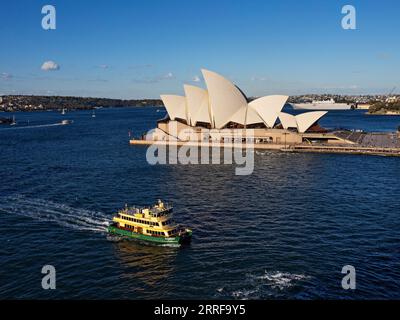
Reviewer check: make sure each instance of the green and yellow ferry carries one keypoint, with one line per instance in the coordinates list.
(152, 224)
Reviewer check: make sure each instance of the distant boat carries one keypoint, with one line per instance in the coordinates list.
(6, 120)
(322, 105)
(13, 123)
(93, 114)
(63, 111)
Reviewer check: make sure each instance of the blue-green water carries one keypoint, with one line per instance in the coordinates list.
(285, 231)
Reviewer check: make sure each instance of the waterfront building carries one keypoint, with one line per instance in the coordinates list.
(206, 114)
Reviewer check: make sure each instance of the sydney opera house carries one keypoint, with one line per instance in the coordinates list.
(206, 114)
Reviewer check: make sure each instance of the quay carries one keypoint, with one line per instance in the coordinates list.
(383, 144)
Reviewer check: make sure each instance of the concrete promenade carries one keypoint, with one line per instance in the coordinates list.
(387, 149)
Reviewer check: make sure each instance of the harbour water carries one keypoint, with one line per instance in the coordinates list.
(284, 232)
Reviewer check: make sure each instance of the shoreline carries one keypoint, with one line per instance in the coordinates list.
(387, 113)
(76, 109)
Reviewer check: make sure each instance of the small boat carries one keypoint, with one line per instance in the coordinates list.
(151, 224)
(6, 120)
(93, 114)
(65, 122)
(13, 123)
(63, 111)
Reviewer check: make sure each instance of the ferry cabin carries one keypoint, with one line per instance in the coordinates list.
(147, 222)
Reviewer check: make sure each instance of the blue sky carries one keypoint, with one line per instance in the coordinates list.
(141, 49)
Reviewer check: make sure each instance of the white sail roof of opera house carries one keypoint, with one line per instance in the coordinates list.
(268, 108)
(175, 105)
(307, 119)
(301, 121)
(197, 105)
(224, 102)
(246, 115)
(224, 97)
(287, 120)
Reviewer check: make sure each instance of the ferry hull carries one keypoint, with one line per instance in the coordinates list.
(321, 106)
(186, 238)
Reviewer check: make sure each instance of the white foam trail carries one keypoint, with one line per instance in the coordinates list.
(37, 126)
(281, 280)
(61, 214)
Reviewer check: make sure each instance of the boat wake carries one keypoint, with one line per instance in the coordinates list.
(271, 284)
(35, 126)
(280, 280)
(61, 214)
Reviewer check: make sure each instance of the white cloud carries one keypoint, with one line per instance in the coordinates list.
(50, 66)
(196, 78)
(5, 76)
(104, 66)
(254, 78)
(169, 75)
(384, 56)
(155, 79)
